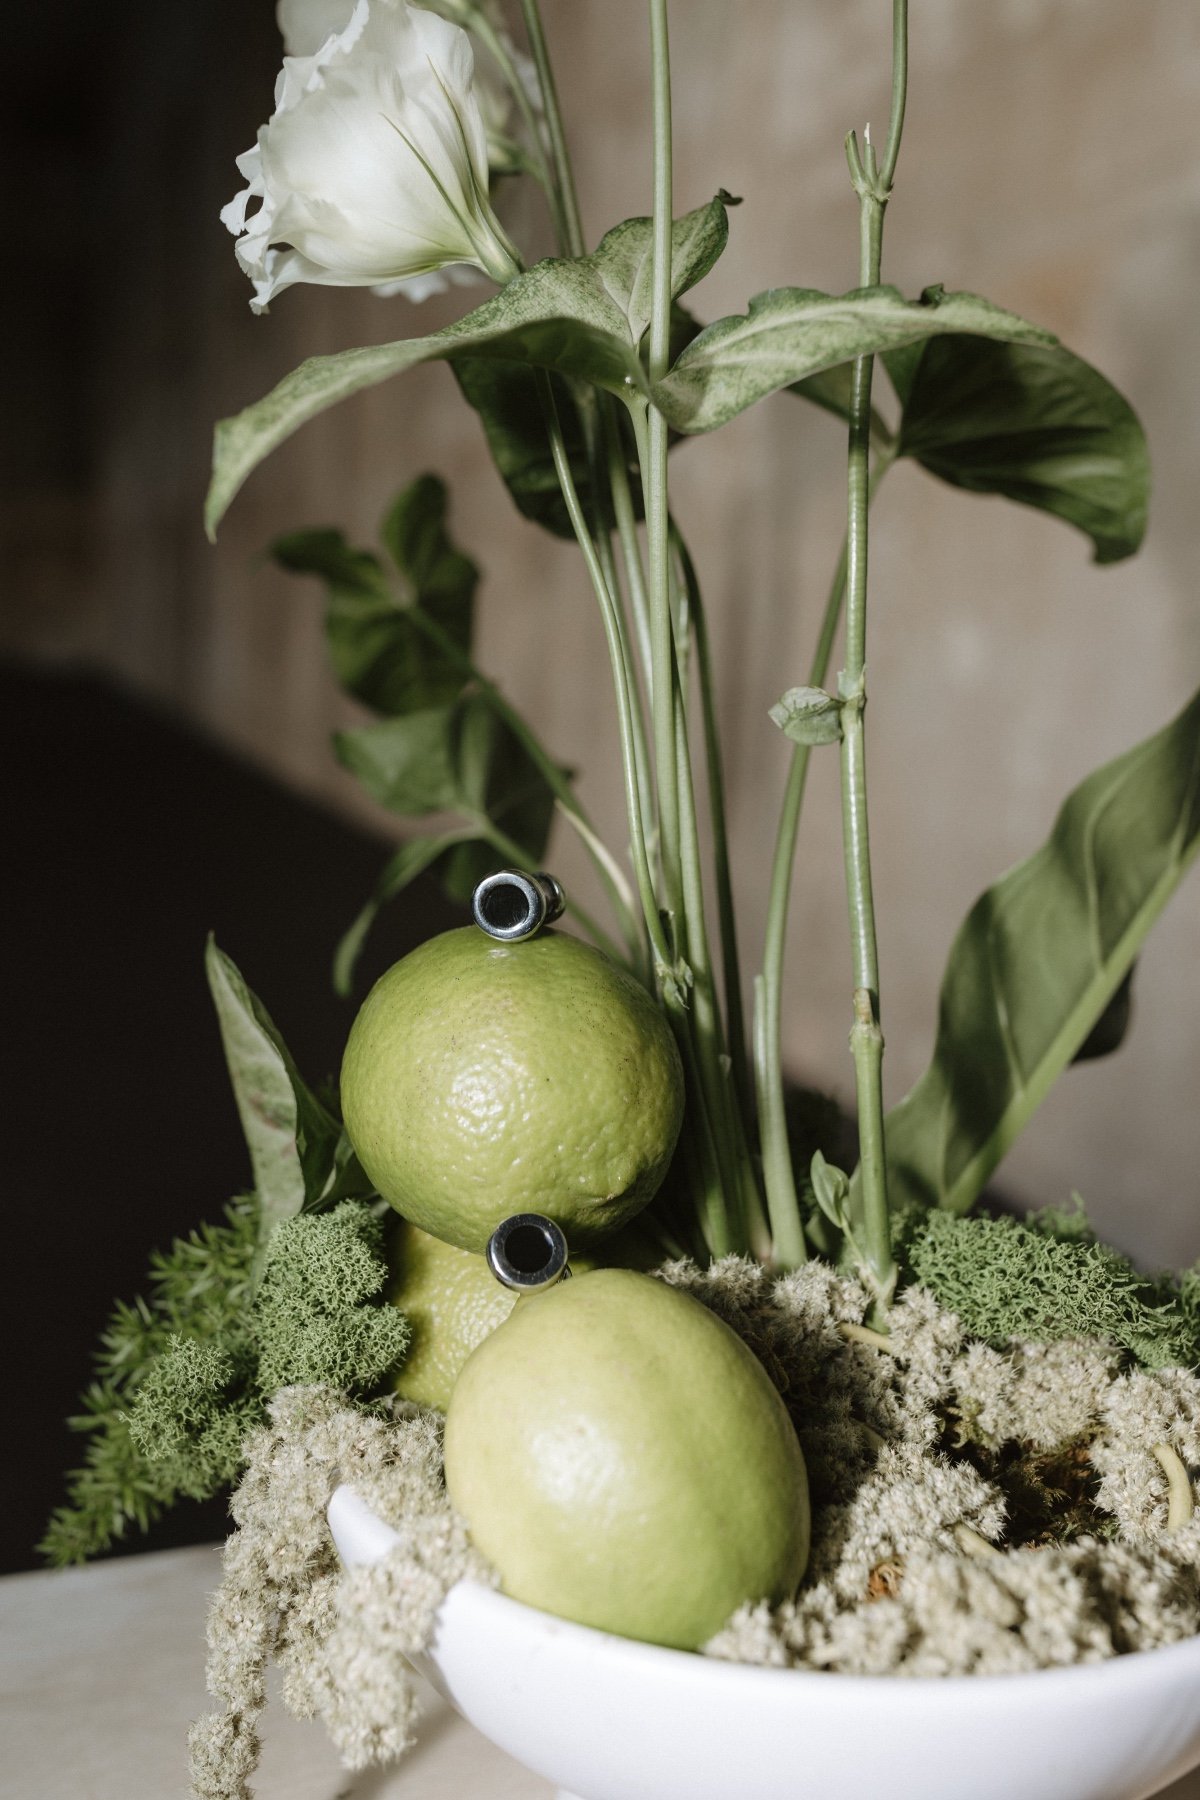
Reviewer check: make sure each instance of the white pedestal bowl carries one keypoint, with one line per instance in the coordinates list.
(609, 1719)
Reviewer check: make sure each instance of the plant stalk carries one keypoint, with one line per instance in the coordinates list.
(570, 224)
(873, 186)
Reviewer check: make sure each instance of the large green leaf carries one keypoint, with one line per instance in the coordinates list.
(582, 318)
(395, 652)
(1032, 422)
(792, 334)
(1039, 959)
(294, 1143)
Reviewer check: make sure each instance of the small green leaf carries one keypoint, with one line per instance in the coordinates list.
(831, 1189)
(395, 653)
(292, 1139)
(1031, 422)
(581, 318)
(791, 334)
(408, 764)
(627, 255)
(1039, 959)
(809, 715)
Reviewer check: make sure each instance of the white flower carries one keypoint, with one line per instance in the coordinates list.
(374, 167)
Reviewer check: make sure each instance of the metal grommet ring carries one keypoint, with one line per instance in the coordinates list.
(511, 905)
(528, 1253)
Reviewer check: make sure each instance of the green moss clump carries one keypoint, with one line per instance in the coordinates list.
(1047, 1278)
(184, 1375)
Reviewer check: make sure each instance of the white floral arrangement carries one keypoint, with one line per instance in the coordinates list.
(999, 1419)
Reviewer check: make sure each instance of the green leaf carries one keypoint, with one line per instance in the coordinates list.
(506, 397)
(1032, 422)
(395, 653)
(1112, 1027)
(408, 764)
(499, 782)
(1040, 957)
(581, 318)
(411, 859)
(292, 1139)
(791, 334)
(809, 715)
(626, 255)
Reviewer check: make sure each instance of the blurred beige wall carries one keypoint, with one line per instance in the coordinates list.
(1049, 163)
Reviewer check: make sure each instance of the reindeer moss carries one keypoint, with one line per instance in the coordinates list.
(977, 1510)
(1048, 1277)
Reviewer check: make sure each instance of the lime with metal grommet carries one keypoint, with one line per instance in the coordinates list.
(621, 1457)
(489, 1076)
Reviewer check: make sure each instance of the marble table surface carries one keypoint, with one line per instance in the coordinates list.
(102, 1668)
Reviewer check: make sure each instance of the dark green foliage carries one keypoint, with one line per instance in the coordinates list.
(444, 741)
(1049, 1278)
(184, 1373)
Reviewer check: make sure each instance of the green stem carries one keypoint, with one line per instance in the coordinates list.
(651, 428)
(571, 224)
(540, 162)
(866, 1037)
(619, 660)
(778, 1175)
(735, 1029)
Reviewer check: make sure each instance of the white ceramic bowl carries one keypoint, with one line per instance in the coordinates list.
(609, 1719)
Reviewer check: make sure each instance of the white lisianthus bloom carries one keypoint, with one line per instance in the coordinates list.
(373, 168)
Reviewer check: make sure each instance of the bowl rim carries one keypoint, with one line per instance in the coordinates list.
(1118, 1669)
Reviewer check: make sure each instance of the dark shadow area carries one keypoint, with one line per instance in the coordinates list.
(128, 839)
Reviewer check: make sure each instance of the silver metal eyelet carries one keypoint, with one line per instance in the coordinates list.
(512, 905)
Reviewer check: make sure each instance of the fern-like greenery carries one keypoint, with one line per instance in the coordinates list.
(183, 1374)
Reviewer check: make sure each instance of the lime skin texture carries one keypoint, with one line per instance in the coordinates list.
(623, 1460)
(483, 1079)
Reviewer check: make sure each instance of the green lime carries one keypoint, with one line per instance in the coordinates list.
(623, 1460)
(484, 1079)
(452, 1301)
